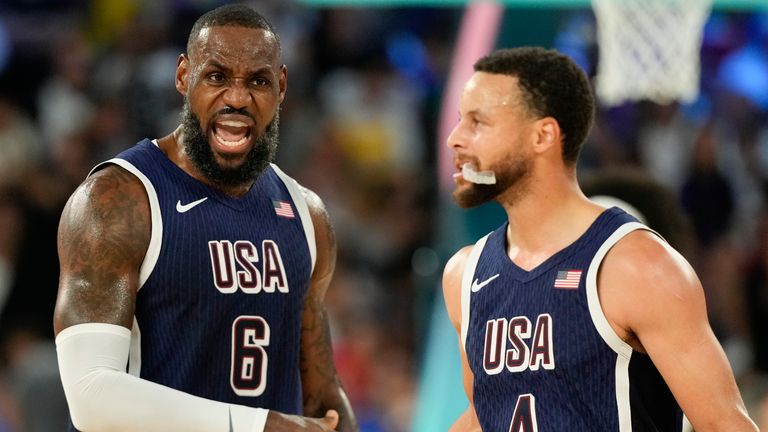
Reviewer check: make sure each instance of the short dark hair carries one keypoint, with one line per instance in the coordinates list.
(552, 86)
(238, 15)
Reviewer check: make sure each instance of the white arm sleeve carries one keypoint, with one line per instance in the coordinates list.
(103, 397)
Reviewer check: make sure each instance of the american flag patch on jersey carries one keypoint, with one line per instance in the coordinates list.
(568, 279)
(283, 208)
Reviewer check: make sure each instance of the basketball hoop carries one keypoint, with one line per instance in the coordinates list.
(649, 49)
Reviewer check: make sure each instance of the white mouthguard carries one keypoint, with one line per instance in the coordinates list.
(478, 177)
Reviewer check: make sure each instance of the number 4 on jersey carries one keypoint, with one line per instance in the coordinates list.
(524, 418)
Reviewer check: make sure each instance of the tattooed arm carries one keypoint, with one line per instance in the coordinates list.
(103, 236)
(322, 389)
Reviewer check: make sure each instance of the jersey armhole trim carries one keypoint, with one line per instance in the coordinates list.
(593, 300)
(301, 205)
(623, 350)
(156, 230)
(466, 285)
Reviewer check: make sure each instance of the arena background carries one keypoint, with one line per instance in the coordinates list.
(368, 100)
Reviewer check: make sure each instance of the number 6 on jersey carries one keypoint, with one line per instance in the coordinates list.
(248, 376)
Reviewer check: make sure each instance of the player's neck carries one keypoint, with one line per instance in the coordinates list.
(547, 219)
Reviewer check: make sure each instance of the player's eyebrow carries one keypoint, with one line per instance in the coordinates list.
(217, 65)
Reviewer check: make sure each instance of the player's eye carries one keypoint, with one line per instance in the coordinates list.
(216, 77)
(260, 82)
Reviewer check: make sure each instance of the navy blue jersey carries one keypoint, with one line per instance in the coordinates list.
(543, 354)
(222, 285)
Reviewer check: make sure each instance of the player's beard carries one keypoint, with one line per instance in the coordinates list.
(512, 176)
(199, 151)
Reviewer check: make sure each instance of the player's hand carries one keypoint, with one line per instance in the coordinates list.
(277, 422)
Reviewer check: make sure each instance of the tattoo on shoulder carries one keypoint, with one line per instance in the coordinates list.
(103, 237)
(108, 213)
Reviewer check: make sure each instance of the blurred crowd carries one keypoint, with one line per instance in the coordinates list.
(81, 80)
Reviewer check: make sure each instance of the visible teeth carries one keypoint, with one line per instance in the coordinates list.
(233, 123)
(479, 177)
(239, 142)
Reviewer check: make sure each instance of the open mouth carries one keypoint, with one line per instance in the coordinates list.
(232, 134)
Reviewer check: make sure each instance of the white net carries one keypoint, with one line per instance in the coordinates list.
(649, 49)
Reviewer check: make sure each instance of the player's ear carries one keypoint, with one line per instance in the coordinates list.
(182, 72)
(547, 134)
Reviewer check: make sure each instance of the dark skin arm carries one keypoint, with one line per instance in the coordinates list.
(322, 389)
(103, 236)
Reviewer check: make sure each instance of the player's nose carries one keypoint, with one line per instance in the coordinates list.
(237, 95)
(456, 137)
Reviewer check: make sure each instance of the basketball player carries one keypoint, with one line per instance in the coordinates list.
(193, 271)
(570, 316)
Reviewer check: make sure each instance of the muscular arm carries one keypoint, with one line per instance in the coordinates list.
(654, 300)
(467, 421)
(103, 235)
(322, 389)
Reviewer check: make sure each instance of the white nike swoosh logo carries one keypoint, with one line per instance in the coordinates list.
(476, 285)
(183, 208)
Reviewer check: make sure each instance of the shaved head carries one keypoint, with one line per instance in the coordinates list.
(237, 15)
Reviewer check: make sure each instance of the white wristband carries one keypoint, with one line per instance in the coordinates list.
(244, 415)
(260, 420)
